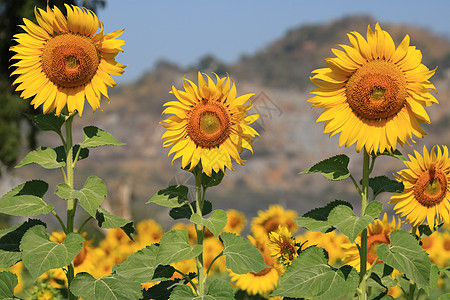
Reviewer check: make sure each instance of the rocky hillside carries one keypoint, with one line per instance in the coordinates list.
(290, 139)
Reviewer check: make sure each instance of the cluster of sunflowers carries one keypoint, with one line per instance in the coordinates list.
(372, 94)
(273, 232)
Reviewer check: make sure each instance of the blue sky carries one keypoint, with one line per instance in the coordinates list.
(184, 31)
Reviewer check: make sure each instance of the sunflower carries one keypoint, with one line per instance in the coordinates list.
(208, 124)
(373, 93)
(236, 221)
(269, 220)
(63, 60)
(263, 282)
(282, 245)
(378, 232)
(427, 182)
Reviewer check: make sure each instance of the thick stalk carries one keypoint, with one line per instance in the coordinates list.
(70, 203)
(364, 203)
(199, 229)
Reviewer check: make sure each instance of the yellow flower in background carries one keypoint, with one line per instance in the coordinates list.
(373, 93)
(378, 232)
(236, 221)
(62, 60)
(208, 124)
(427, 182)
(269, 220)
(282, 245)
(263, 282)
(148, 232)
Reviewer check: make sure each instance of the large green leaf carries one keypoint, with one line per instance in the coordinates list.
(107, 220)
(185, 212)
(310, 276)
(61, 153)
(47, 122)
(405, 255)
(343, 218)
(10, 241)
(434, 277)
(174, 246)
(140, 265)
(215, 179)
(219, 289)
(111, 287)
(215, 223)
(317, 219)
(43, 156)
(8, 282)
(96, 137)
(26, 200)
(334, 168)
(382, 184)
(39, 254)
(90, 196)
(172, 196)
(241, 255)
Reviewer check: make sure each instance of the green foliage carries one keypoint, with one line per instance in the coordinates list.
(343, 218)
(185, 211)
(382, 184)
(39, 254)
(10, 242)
(174, 246)
(317, 219)
(218, 290)
(215, 179)
(8, 281)
(61, 153)
(26, 200)
(43, 156)
(107, 220)
(334, 168)
(90, 196)
(241, 255)
(215, 223)
(405, 255)
(172, 196)
(113, 287)
(310, 276)
(96, 137)
(48, 122)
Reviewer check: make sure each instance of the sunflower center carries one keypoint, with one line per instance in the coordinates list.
(70, 60)
(377, 90)
(372, 243)
(431, 187)
(209, 124)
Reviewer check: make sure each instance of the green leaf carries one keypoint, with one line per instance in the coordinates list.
(215, 179)
(405, 255)
(343, 218)
(10, 240)
(333, 168)
(43, 156)
(185, 212)
(95, 137)
(48, 122)
(396, 154)
(219, 289)
(90, 196)
(8, 282)
(140, 265)
(107, 220)
(174, 246)
(310, 276)
(40, 254)
(444, 297)
(172, 196)
(184, 292)
(111, 287)
(215, 223)
(242, 256)
(434, 277)
(317, 219)
(163, 290)
(381, 274)
(382, 184)
(26, 200)
(61, 153)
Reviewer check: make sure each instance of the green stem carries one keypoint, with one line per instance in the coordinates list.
(199, 229)
(412, 284)
(186, 277)
(364, 203)
(80, 230)
(71, 204)
(213, 261)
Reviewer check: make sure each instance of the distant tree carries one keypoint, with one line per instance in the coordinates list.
(12, 108)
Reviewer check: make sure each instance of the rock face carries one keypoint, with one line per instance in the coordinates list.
(290, 140)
